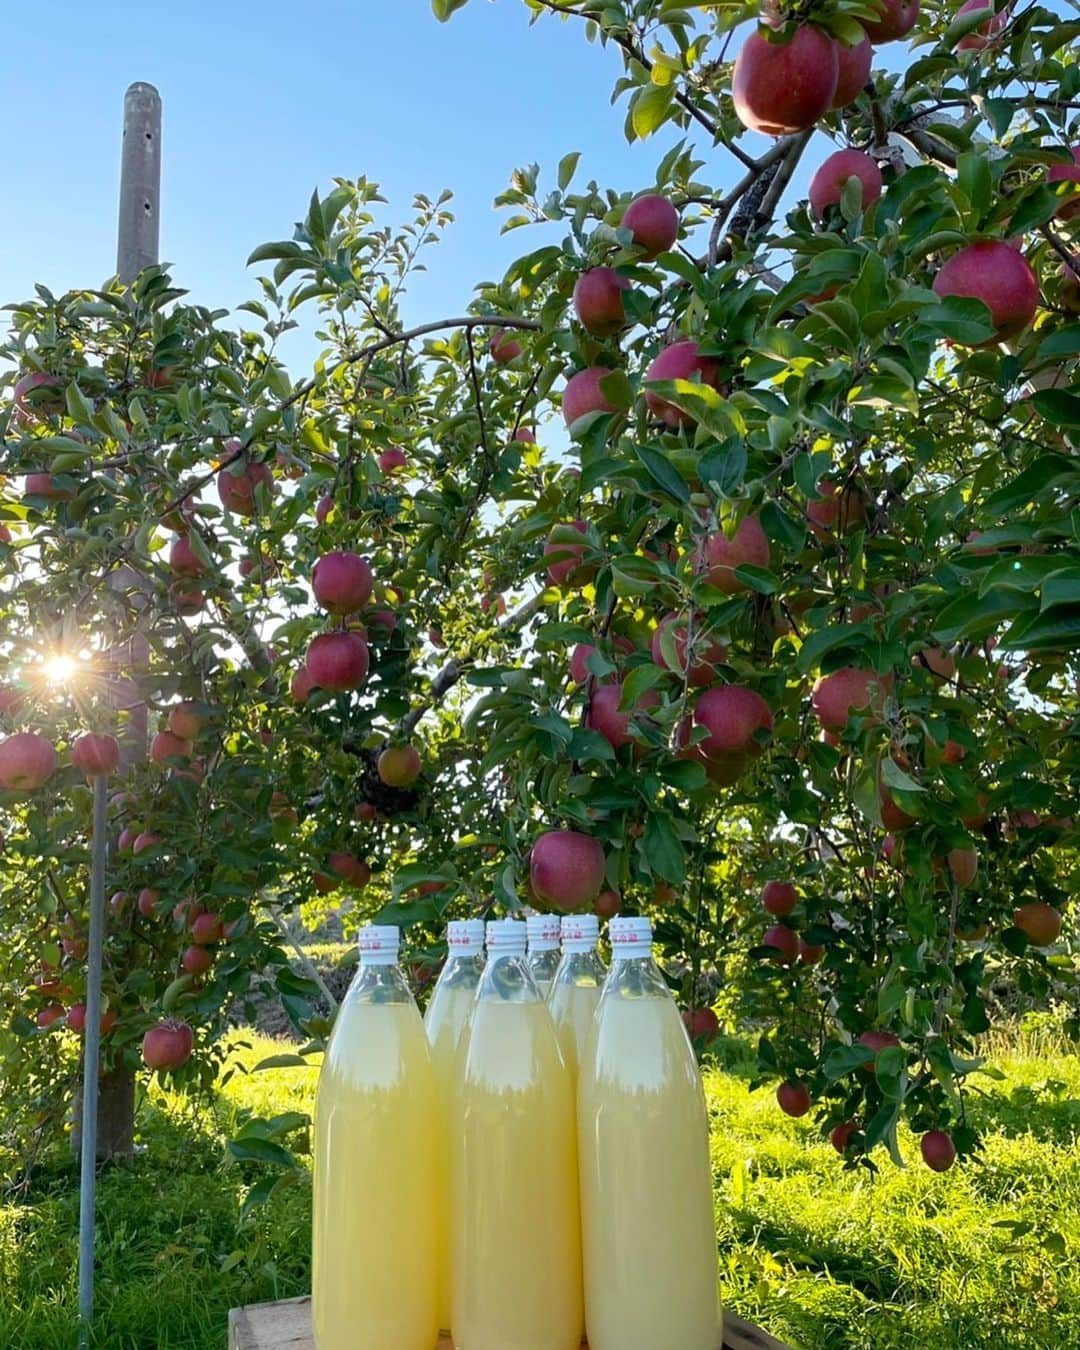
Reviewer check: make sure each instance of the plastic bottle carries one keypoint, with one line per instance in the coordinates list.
(380, 1188)
(575, 991)
(649, 1240)
(515, 1221)
(447, 1013)
(543, 931)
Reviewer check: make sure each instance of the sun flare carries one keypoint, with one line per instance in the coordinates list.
(61, 669)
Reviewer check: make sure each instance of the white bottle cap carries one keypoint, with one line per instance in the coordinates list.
(465, 937)
(506, 937)
(379, 944)
(543, 931)
(630, 939)
(580, 932)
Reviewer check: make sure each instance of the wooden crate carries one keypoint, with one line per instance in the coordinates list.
(287, 1326)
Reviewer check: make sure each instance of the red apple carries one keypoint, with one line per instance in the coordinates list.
(963, 864)
(238, 482)
(10, 700)
(167, 1045)
(598, 300)
(897, 20)
(840, 1135)
(781, 88)
(342, 582)
(995, 273)
(35, 393)
(96, 756)
(654, 223)
(607, 904)
(119, 902)
(566, 869)
(45, 485)
(785, 941)
(567, 553)
(337, 662)
(185, 722)
(187, 599)
(809, 954)
(876, 1041)
(126, 840)
(52, 1012)
(793, 1098)
(504, 346)
(583, 394)
(836, 696)
(147, 902)
(390, 461)
(938, 660)
(701, 1023)
(832, 174)
(982, 36)
(167, 746)
(836, 512)
(938, 1150)
(779, 898)
(399, 766)
(680, 361)
(196, 960)
(525, 435)
(853, 71)
(76, 1019)
(365, 811)
(719, 555)
(1040, 921)
(301, 684)
(323, 508)
(706, 652)
(206, 929)
(1067, 173)
(27, 761)
(182, 558)
(604, 715)
(353, 870)
(733, 717)
(146, 840)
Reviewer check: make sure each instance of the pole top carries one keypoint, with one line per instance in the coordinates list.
(142, 92)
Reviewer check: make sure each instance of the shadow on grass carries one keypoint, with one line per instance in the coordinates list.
(1047, 1112)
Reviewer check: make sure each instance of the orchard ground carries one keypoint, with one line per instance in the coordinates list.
(824, 1258)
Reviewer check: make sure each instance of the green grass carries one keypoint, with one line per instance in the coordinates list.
(824, 1258)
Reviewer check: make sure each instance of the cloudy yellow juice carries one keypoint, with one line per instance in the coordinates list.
(649, 1242)
(444, 1021)
(575, 991)
(515, 1221)
(379, 1184)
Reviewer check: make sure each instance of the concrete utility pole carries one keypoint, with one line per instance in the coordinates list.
(138, 234)
(137, 248)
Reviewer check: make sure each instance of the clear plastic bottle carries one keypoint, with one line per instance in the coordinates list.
(515, 1219)
(447, 1014)
(575, 991)
(649, 1242)
(543, 931)
(380, 1199)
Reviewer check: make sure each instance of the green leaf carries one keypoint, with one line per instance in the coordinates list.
(283, 1062)
(893, 776)
(640, 679)
(650, 109)
(1048, 470)
(974, 616)
(825, 640)
(663, 849)
(663, 472)
(1058, 406)
(567, 168)
(759, 579)
(685, 774)
(261, 1150)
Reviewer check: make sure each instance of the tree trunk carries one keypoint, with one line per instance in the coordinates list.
(116, 1116)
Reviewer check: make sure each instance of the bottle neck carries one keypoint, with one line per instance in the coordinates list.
(636, 977)
(585, 968)
(461, 972)
(379, 984)
(508, 979)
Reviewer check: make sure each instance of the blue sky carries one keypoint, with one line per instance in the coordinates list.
(264, 101)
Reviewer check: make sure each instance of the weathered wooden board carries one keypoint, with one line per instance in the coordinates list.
(287, 1326)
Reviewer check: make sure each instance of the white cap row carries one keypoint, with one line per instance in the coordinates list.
(629, 937)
